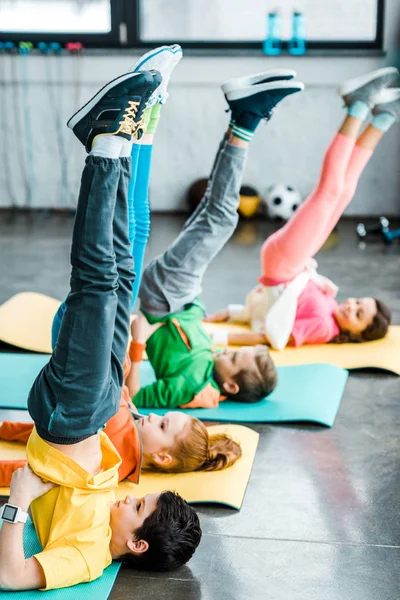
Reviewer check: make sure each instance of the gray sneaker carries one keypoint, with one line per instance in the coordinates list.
(366, 88)
(388, 101)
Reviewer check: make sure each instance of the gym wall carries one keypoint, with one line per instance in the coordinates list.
(288, 150)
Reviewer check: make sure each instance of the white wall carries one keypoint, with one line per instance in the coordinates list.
(37, 91)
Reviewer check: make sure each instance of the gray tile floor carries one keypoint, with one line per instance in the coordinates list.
(320, 515)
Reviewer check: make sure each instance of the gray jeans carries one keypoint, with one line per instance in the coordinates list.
(79, 389)
(174, 279)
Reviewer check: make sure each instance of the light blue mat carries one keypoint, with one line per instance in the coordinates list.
(95, 590)
(304, 392)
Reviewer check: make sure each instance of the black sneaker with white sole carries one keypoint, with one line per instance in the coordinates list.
(116, 109)
(264, 77)
(255, 102)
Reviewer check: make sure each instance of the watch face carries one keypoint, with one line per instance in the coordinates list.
(9, 513)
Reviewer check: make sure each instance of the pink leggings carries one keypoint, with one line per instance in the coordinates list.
(285, 253)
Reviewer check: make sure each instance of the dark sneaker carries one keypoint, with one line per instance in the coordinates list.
(255, 102)
(388, 101)
(264, 77)
(116, 109)
(365, 88)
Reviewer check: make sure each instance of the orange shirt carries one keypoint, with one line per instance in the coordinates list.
(121, 430)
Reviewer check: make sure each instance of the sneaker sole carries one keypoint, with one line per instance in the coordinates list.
(86, 108)
(354, 84)
(264, 87)
(152, 54)
(240, 82)
(383, 105)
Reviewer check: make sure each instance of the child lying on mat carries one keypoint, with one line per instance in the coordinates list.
(189, 373)
(173, 443)
(73, 467)
(294, 304)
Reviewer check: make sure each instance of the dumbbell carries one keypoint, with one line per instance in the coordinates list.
(382, 228)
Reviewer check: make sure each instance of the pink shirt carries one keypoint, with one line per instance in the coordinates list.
(315, 323)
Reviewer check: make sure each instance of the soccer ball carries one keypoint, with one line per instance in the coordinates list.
(282, 200)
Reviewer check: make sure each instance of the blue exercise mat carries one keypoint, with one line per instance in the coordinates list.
(95, 590)
(304, 392)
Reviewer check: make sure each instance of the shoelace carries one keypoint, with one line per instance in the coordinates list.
(128, 125)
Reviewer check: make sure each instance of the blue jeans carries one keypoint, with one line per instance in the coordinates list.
(79, 389)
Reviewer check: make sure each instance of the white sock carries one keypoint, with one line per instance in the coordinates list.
(126, 148)
(107, 146)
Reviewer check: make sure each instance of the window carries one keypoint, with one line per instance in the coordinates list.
(239, 23)
(206, 24)
(95, 23)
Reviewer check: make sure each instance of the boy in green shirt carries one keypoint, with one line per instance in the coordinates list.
(188, 372)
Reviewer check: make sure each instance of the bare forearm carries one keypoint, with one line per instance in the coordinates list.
(246, 338)
(12, 558)
(133, 379)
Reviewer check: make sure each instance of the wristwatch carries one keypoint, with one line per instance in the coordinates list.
(13, 514)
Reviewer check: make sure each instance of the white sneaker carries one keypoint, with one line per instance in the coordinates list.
(388, 101)
(264, 77)
(163, 59)
(366, 88)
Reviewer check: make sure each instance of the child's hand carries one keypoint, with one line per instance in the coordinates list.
(26, 486)
(218, 317)
(141, 329)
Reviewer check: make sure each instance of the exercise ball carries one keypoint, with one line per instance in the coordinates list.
(249, 201)
(195, 193)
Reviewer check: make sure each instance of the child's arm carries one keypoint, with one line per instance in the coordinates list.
(16, 572)
(133, 380)
(218, 317)
(236, 313)
(246, 338)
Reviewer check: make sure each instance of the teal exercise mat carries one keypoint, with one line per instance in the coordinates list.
(95, 590)
(304, 392)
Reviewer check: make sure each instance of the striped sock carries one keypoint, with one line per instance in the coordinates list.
(383, 121)
(241, 132)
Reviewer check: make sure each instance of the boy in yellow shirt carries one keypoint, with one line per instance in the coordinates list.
(73, 467)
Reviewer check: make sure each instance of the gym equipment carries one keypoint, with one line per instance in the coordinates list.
(382, 228)
(26, 320)
(281, 201)
(296, 398)
(195, 193)
(227, 486)
(380, 354)
(249, 201)
(249, 197)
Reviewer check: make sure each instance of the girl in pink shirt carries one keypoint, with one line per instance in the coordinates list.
(291, 292)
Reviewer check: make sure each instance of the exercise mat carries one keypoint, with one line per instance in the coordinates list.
(99, 589)
(26, 320)
(381, 354)
(227, 486)
(303, 393)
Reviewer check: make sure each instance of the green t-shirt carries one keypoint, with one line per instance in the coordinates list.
(183, 367)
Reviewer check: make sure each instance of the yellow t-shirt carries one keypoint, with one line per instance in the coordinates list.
(72, 521)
